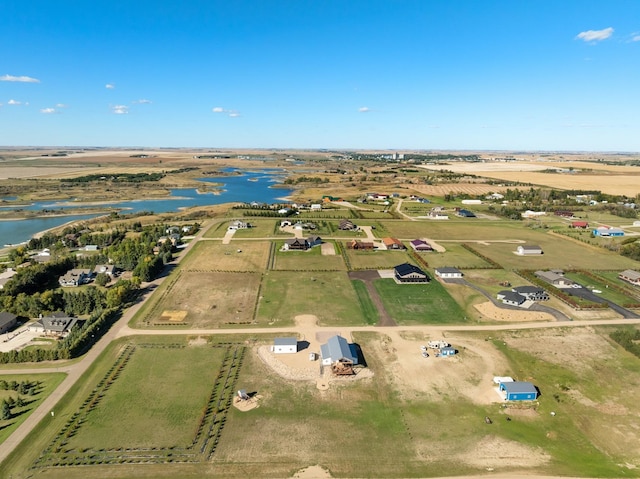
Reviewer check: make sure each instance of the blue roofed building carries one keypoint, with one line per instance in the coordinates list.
(518, 391)
(339, 354)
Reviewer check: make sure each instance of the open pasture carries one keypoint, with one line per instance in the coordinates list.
(310, 260)
(328, 295)
(456, 256)
(410, 304)
(210, 300)
(214, 256)
(361, 259)
(39, 387)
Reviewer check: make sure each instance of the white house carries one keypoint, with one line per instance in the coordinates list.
(316, 207)
(337, 349)
(284, 346)
(448, 272)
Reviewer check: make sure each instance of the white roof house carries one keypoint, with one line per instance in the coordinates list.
(284, 346)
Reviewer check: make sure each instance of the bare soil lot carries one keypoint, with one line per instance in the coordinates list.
(236, 256)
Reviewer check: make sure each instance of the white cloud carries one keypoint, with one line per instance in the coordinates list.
(595, 35)
(234, 114)
(231, 113)
(14, 102)
(635, 37)
(48, 111)
(364, 109)
(217, 109)
(120, 109)
(109, 86)
(61, 105)
(142, 101)
(21, 79)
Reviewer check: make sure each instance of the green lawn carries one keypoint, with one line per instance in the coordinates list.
(361, 259)
(607, 293)
(419, 303)
(310, 260)
(369, 310)
(45, 384)
(328, 295)
(456, 256)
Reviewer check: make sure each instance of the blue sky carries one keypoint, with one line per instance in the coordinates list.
(395, 74)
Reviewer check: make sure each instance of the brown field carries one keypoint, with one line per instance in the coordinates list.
(460, 188)
(207, 300)
(214, 256)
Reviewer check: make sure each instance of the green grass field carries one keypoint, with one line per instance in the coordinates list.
(376, 259)
(329, 296)
(236, 256)
(419, 303)
(607, 293)
(45, 385)
(456, 256)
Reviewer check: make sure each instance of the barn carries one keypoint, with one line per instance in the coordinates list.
(529, 249)
(518, 391)
(284, 346)
(408, 273)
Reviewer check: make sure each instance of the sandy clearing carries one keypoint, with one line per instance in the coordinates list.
(491, 311)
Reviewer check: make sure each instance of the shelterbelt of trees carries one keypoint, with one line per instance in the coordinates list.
(35, 290)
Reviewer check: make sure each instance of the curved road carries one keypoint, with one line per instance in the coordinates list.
(121, 329)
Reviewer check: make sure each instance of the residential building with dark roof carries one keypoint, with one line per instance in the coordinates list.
(408, 273)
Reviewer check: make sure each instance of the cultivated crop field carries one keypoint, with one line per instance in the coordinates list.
(210, 300)
(327, 295)
(215, 256)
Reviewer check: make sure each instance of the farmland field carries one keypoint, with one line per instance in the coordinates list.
(376, 259)
(455, 256)
(310, 260)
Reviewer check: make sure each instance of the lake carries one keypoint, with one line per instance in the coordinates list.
(247, 187)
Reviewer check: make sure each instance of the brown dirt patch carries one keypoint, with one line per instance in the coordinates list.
(491, 311)
(312, 472)
(173, 316)
(495, 452)
(246, 404)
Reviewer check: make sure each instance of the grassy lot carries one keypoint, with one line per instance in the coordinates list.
(456, 256)
(215, 256)
(217, 230)
(376, 259)
(310, 260)
(45, 384)
(330, 296)
(210, 300)
(419, 303)
(369, 310)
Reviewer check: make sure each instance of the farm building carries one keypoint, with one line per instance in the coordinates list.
(393, 243)
(518, 391)
(58, 324)
(511, 298)
(533, 293)
(607, 231)
(471, 202)
(555, 278)
(580, 224)
(339, 354)
(285, 345)
(630, 276)
(448, 351)
(420, 245)
(528, 249)
(448, 272)
(7, 322)
(408, 273)
(532, 214)
(466, 213)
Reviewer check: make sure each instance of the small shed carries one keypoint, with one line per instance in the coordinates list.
(529, 249)
(448, 272)
(519, 391)
(284, 346)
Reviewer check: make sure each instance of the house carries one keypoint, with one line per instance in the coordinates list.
(284, 223)
(607, 231)
(296, 244)
(107, 269)
(436, 213)
(466, 213)
(393, 243)
(75, 277)
(528, 249)
(45, 252)
(8, 321)
(408, 273)
(285, 345)
(533, 293)
(518, 391)
(338, 350)
(580, 224)
(532, 214)
(495, 196)
(511, 298)
(316, 207)
(346, 225)
(564, 213)
(420, 245)
(630, 276)
(555, 278)
(471, 202)
(58, 324)
(357, 244)
(238, 225)
(91, 247)
(448, 272)
(6, 276)
(314, 241)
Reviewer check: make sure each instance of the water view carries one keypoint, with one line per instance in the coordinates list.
(247, 187)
